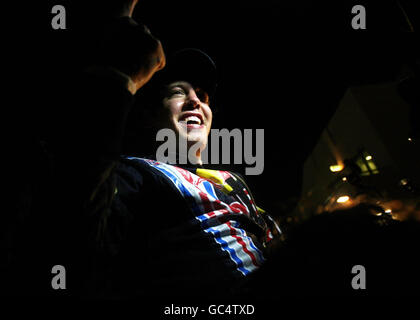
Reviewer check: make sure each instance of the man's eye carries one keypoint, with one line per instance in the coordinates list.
(177, 91)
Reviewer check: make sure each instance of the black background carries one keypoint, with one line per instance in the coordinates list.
(281, 66)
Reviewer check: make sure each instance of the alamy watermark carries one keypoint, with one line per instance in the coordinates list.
(58, 22)
(59, 280)
(359, 280)
(234, 144)
(359, 20)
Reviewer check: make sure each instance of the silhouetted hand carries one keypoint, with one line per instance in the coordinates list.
(154, 62)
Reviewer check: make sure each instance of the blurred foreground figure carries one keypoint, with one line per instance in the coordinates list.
(88, 127)
(318, 256)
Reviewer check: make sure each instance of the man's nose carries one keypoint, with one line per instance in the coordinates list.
(192, 100)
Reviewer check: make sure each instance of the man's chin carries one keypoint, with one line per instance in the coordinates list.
(193, 140)
(192, 136)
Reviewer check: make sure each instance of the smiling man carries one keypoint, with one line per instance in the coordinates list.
(188, 114)
(163, 229)
(180, 104)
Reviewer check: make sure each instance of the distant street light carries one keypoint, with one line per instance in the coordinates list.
(368, 158)
(404, 182)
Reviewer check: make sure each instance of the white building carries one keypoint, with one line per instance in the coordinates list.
(371, 128)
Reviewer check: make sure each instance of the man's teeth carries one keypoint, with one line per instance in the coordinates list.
(192, 120)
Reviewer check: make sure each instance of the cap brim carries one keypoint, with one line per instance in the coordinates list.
(191, 65)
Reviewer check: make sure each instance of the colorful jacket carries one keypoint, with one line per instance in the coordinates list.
(183, 230)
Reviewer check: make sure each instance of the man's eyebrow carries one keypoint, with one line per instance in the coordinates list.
(183, 84)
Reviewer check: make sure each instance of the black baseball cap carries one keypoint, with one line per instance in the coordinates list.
(191, 65)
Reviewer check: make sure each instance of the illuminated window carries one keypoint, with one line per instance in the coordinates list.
(343, 199)
(366, 163)
(336, 168)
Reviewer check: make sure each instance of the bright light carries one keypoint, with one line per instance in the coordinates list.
(409, 139)
(388, 211)
(336, 168)
(368, 158)
(344, 179)
(343, 199)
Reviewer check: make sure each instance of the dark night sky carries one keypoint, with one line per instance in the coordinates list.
(282, 67)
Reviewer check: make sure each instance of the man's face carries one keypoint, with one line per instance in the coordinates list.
(187, 112)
